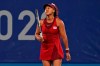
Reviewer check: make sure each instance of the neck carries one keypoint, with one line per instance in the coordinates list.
(50, 17)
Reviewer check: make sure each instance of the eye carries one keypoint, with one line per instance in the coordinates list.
(48, 8)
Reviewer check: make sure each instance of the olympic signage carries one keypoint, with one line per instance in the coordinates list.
(22, 35)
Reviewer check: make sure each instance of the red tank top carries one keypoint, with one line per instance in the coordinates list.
(51, 47)
(50, 30)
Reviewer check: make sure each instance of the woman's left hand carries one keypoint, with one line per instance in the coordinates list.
(68, 56)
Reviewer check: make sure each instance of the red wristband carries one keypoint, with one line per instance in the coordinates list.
(67, 50)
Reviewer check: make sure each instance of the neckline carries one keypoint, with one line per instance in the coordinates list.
(50, 21)
(49, 25)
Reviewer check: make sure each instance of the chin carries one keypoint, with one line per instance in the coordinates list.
(47, 14)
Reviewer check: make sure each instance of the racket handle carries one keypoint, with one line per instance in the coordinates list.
(41, 35)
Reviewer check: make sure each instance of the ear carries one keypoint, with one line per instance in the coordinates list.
(53, 10)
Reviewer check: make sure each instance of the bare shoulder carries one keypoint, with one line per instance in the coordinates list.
(59, 22)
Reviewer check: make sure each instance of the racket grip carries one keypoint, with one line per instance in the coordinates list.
(41, 35)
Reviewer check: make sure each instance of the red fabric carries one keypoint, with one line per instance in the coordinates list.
(51, 48)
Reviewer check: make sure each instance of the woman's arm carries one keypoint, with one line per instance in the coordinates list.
(62, 30)
(37, 32)
(63, 33)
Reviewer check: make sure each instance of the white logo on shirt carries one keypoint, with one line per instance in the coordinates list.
(54, 27)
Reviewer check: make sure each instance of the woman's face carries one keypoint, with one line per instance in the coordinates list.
(49, 10)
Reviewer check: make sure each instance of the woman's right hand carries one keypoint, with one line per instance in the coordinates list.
(40, 39)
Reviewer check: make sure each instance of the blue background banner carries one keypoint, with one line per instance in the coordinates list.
(18, 24)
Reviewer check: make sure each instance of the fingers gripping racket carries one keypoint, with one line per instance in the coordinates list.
(38, 22)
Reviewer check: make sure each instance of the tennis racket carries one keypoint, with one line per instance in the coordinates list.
(38, 22)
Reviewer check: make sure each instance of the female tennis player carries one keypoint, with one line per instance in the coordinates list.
(53, 28)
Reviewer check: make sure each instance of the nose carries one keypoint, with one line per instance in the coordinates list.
(46, 10)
